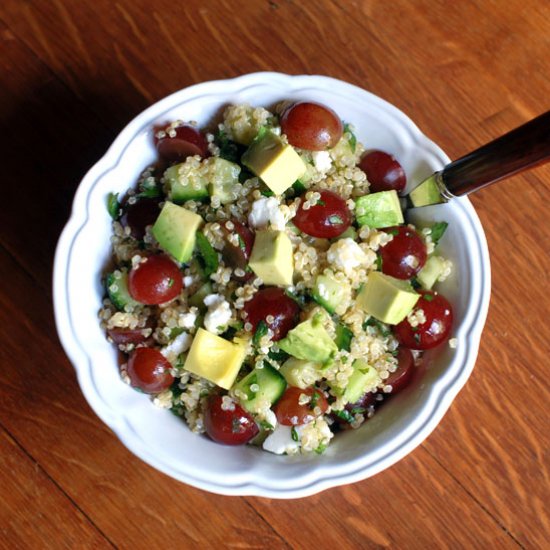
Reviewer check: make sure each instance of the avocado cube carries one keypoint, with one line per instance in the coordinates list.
(363, 379)
(271, 258)
(379, 210)
(431, 271)
(275, 162)
(175, 231)
(426, 193)
(310, 341)
(214, 358)
(386, 298)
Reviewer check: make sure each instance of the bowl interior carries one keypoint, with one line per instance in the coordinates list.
(163, 440)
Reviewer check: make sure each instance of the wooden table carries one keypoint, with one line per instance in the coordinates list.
(73, 73)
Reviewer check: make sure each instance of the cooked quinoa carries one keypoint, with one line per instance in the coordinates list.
(172, 327)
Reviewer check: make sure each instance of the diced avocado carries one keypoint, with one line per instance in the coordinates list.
(309, 340)
(116, 284)
(175, 231)
(426, 193)
(263, 387)
(271, 258)
(386, 298)
(343, 337)
(431, 271)
(301, 373)
(183, 184)
(379, 210)
(214, 358)
(277, 163)
(224, 175)
(364, 378)
(197, 300)
(329, 292)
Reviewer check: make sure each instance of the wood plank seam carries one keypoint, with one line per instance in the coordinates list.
(39, 467)
(472, 496)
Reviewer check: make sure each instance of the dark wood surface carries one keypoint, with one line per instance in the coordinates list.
(73, 73)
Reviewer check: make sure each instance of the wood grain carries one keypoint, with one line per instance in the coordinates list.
(72, 74)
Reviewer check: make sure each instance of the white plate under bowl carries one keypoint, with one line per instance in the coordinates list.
(161, 439)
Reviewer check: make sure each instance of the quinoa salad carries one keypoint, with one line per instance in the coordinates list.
(264, 284)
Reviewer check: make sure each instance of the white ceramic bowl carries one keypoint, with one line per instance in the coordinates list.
(161, 439)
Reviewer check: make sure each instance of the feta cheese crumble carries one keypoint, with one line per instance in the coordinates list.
(218, 315)
(266, 211)
(346, 255)
(177, 346)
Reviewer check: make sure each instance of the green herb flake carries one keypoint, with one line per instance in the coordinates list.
(261, 331)
(343, 337)
(415, 284)
(265, 425)
(352, 139)
(381, 327)
(358, 410)
(113, 206)
(344, 415)
(438, 229)
(207, 255)
(294, 434)
(379, 262)
(314, 400)
(320, 203)
(299, 187)
(428, 297)
(229, 150)
(149, 189)
(321, 448)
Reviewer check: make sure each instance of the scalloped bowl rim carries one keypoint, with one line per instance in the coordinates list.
(254, 481)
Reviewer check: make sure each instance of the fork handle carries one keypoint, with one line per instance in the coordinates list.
(524, 147)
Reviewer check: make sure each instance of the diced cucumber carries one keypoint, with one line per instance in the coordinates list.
(364, 378)
(223, 177)
(184, 185)
(328, 292)
(197, 300)
(431, 271)
(116, 284)
(261, 386)
(301, 373)
(343, 337)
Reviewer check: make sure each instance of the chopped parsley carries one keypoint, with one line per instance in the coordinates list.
(149, 189)
(314, 400)
(229, 150)
(208, 257)
(294, 434)
(428, 297)
(344, 415)
(352, 139)
(261, 331)
(298, 187)
(265, 425)
(113, 206)
(382, 328)
(321, 449)
(438, 229)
